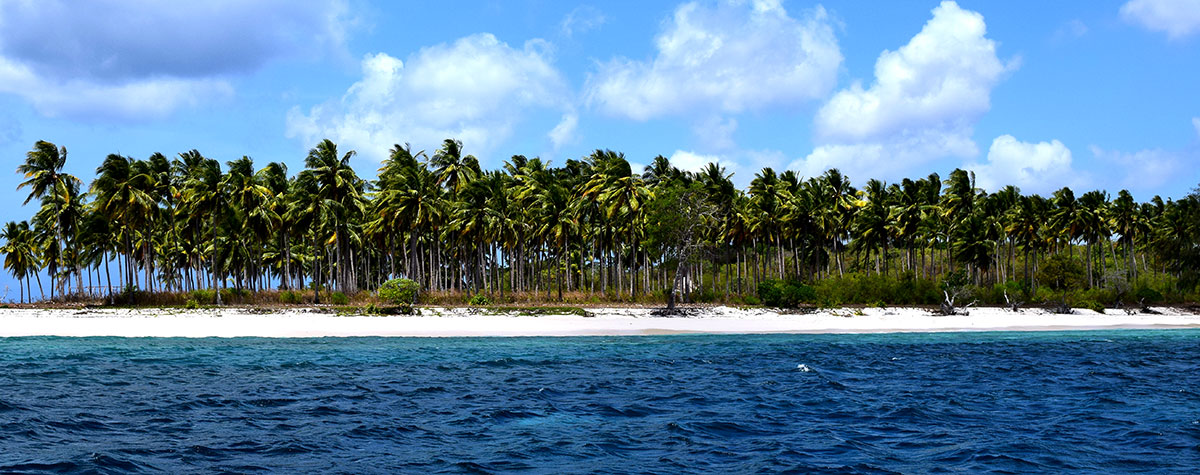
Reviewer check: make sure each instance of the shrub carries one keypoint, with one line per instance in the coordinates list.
(339, 298)
(1148, 295)
(1092, 305)
(204, 295)
(769, 292)
(192, 304)
(398, 292)
(785, 293)
(479, 300)
(289, 297)
(1061, 272)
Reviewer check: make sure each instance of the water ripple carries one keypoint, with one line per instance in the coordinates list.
(1052, 402)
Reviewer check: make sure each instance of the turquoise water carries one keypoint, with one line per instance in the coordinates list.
(1120, 401)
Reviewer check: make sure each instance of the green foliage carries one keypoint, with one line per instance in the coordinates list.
(1091, 305)
(479, 300)
(785, 293)
(192, 304)
(208, 296)
(869, 288)
(289, 297)
(1148, 295)
(398, 292)
(339, 298)
(1062, 272)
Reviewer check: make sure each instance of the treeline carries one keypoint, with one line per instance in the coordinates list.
(593, 228)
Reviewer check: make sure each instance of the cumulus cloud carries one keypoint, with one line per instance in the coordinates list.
(924, 103)
(145, 58)
(582, 19)
(475, 89)
(695, 162)
(1176, 18)
(727, 58)
(1040, 167)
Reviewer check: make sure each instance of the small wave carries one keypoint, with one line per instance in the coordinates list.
(6, 406)
(803, 368)
(109, 462)
(39, 467)
(271, 402)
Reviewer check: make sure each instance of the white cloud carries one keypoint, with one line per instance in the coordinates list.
(694, 162)
(145, 58)
(728, 58)
(565, 132)
(582, 19)
(1151, 168)
(1040, 167)
(475, 89)
(1196, 124)
(1070, 30)
(923, 105)
(716, 133)
(1176, 18)
(131, 100)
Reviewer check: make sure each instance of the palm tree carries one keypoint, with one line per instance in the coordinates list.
(205, 201)
(20, 255)
(121, 196)
(58, 191)
(340, 191)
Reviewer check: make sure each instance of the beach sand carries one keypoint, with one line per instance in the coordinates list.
(448, 322)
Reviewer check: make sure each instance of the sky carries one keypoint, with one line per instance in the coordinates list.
(1088, 94)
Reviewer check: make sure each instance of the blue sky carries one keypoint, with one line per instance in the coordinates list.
(1091, 94)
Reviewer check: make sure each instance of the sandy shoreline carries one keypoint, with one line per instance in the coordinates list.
(441, 322)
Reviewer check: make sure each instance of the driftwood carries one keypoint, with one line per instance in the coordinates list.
(1010, 304)
(1146, 308)
(948, 307)
(1061, 308)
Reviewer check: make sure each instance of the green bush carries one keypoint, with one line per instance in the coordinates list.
(204, 295)
(785, 293)
(398, 292)
(1061, 272)
(289, 297)
(769, 292)
(1092, 305)
(1148, 295)
(339, 298)
(192, 304)
(479, 300)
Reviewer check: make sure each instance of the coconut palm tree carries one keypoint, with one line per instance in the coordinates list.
(20, 255)
(340, 191)
(43, 173)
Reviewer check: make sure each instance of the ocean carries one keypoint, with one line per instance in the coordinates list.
(1099, 401)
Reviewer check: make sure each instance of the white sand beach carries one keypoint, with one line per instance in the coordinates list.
(447, 322)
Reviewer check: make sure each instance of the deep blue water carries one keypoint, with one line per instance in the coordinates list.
(1120, 402)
